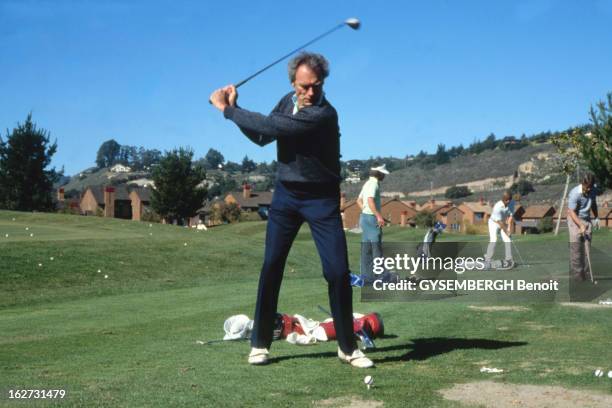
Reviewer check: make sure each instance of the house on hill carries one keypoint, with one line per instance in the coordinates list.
(116, 201)
(120, 168)
(412, 204)
(451, 215)
(476, 212)
(140, 198)
(248, 200)
(349, 211)
(533, 215)
(605, 216)
(396, 212)
(62, 204)
(433, 205)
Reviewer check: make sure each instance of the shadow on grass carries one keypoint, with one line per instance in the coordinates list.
(422, 349)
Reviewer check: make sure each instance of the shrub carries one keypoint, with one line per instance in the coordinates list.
(424, 219)
(546, 224)
(222, 212)
(523, 187)
(149, 215)
(471, 229)
(457, 192)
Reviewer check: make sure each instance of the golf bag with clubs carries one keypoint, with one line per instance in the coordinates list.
(424, 248)
(371, 324)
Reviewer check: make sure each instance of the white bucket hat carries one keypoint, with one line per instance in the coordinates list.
(237, 327)
(382, 169)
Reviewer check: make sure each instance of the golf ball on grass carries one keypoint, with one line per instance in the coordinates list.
(609, 374)
(105, 276)
(368, 381)
(599, 373)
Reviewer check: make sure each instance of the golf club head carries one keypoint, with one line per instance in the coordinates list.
(366, 341)
(352, 22)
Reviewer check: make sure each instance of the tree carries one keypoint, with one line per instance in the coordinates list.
(248, 165)
(567, 146)
(232, 167)
(149, 157)
(425, 219)
(108, 154)
(25, 182)
(221, 186)
(457, 192)
(523, 187)
(177, 194)
(596, 145)
(442, 155)
(545, 225)
(213, 159)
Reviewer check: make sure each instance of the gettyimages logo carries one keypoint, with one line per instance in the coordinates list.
(413, 265)
(537, 272)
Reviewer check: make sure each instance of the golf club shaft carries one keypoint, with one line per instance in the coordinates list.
(240, 83)
(321, 308)
(518, 252)
(588, 256)
(247, 79)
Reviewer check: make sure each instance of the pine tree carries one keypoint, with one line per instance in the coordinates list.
(25, 182)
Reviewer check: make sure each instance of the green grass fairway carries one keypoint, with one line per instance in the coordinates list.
(130, 339)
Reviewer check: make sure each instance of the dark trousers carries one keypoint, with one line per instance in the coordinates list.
(319, 206)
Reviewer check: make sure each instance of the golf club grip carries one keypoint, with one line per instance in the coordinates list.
(239, 84)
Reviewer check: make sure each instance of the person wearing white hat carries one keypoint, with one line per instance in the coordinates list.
(371, 221)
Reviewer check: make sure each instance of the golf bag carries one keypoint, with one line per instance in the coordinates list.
(424, 248)
(371, 324)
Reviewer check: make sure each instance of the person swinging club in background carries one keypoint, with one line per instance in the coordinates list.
(501, 222)
(305, 127)
(581, 202)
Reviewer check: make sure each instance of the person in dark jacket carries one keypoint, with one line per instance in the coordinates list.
(305, 127)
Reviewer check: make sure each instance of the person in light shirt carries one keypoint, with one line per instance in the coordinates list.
(371, 221)
(501, 223)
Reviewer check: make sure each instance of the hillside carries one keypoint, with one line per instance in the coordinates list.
(97, 177)
(486, 174)
(490, 170)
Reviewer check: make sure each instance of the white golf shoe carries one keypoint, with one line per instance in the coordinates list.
(258, 356)
(357, 359)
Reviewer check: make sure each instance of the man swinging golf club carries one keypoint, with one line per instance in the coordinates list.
(305, 127)
(581, 201)
(501, 222)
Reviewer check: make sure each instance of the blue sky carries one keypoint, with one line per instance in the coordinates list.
(416, 74)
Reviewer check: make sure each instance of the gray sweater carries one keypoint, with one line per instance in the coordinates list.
(307, 143)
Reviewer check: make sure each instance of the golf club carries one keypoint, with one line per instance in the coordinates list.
(353, 23)
(518, 253)
(588, 256)
(206, 343)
